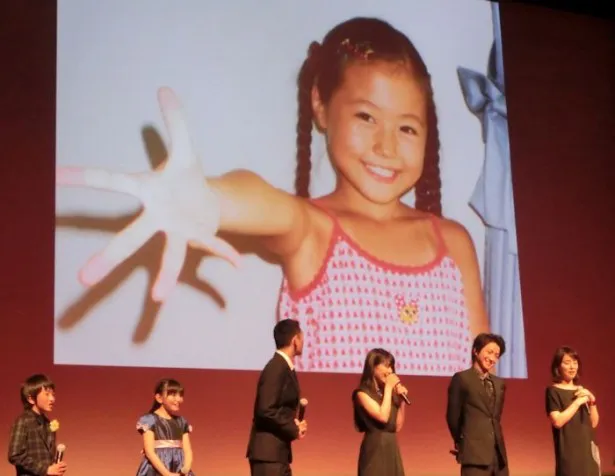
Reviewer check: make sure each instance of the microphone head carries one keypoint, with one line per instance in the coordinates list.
(303, 402)
(61, 448)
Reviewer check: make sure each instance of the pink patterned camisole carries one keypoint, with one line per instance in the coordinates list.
(357, 302)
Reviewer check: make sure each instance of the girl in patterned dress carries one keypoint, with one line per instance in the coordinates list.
(166, 435)
(361, 268)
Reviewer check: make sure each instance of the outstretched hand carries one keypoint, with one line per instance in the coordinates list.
(176, 200)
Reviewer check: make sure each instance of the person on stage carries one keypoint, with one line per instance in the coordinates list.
(379, 414)
(574, 415)
(275, 424)
(32, 443)
(167, 450)
(474, 411)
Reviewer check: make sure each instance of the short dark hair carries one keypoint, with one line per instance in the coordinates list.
(558, 357)
(484, 339)
(284, 331)
(34, 385)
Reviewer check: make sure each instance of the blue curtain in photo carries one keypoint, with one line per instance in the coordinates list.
(492, 199)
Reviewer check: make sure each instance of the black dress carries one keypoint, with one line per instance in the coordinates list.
(379, 454)
(576, 453)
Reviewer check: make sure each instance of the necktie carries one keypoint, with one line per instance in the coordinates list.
(490, 389)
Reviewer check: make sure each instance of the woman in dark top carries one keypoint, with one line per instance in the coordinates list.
(574, 415)
(379, 414)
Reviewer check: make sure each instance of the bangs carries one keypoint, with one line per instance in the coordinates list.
(38, 383)
(48, 385)
(573, 354)
(173, 387)
(385, 358)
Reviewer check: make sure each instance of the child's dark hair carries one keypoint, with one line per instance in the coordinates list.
(33, 386)
(166, 386)
(374, 358)
(364, 39)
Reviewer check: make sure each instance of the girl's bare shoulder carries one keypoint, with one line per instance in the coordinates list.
(457, 240)
(455, 236)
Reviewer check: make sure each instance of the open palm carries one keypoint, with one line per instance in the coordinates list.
(176, 200)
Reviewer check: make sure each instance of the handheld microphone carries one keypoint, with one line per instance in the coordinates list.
(404, 395)
(586, 405)
(60, 449)
(302, 406)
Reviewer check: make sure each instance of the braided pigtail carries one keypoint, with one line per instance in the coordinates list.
(305, 121)
(428, 188)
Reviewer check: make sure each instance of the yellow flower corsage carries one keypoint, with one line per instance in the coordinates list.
(54, 425)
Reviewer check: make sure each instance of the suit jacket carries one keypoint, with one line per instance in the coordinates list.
(473, 424)
(275, 410)
(31, 445)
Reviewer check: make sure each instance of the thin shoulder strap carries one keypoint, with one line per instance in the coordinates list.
(437, 227)
(318, 204)
(334, 220)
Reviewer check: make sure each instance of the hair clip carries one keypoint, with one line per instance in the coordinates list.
(361, 50)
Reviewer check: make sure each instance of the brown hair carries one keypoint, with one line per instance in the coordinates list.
(364, 39)
(558, 357)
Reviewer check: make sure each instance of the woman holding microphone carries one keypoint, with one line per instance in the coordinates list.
(574, 415)
(379, 413)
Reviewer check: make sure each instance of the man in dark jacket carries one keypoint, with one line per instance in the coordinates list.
(474, 411)
(275, 424)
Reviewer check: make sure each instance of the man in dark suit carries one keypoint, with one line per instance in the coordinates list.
(474, 410)
(275, 424)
